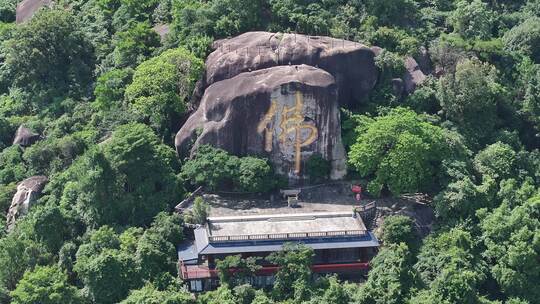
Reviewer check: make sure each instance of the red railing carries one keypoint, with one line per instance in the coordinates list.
(202, 272)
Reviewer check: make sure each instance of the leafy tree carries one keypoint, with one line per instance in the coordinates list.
(497, 161)
(302, 16)
(110, 87)
(50, 57)
(156, 248)
(449, 268)
(45, 284)
(525, 38)
(18, 253)
(222, 295)
(293, 277)
(162, 86)
(254, 175)
(261, 298)
(149, 294)
(134, 45)
(469, 98)
(7, 10)
(511, 236)
(100, 262)
(401, 151)
(472, 19)
(199, 212)
(393, 12)
(244, 268)
(126, 180)
(12, 168)
(461, 198)
(210, 167)
(391, 277)
(399, 229)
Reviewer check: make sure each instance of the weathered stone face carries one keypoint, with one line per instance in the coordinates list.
(27, 8)
(25, 137)
(285, 113)
(28, 192)
(351, 63)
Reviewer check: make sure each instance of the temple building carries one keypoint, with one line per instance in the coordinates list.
(340, 241)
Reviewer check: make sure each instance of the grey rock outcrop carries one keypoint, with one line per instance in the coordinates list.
(413, 75)
(285, 113)
(25, 137)
(27, 8)
(28, 191)
(352, 64)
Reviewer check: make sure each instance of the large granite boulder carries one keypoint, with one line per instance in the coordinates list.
(413, 75)
(25, 137)
(27, 8)
(28, 191)
(285, 113)
(352, 64)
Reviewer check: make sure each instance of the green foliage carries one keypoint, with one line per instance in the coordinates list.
(134, 45)
(461, 198)
(496, 161)
(391, 277)
(19, 253)
(393, 12)
(110, 87)
(449, 269)
(525, 38)
(49, 57)
(511, 235)
(395, 40)
(216, 169)
(254, 175)
(293, 277)
(7, 10)
(162, 86)
(126, 180)
(399, 229)
(472, 19)
(210, 167)
(199, 213)
(156, 248)
(243, 268)
(149, 294)
(46, 285)
(317, 168)
(12, 168)
(401, 151)
(469, 99)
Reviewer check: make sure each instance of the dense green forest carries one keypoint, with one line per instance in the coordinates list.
(106, 94)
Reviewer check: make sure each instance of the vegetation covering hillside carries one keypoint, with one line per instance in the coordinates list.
(107, 94)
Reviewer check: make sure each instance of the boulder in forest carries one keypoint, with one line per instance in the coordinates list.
(413, 75)
(284, 113)
(27, 8)
(28, 191)
(25, 137)
(351, 63)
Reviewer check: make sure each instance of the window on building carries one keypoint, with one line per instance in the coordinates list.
(196, 285)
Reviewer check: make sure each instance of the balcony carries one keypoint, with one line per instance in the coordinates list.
(191, 272)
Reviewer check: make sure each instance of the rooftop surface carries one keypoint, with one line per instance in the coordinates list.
(285, 223)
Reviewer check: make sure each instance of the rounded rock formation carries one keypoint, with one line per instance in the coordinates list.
(28, 191)
(25, 137)
(285, 113)
(351, 63)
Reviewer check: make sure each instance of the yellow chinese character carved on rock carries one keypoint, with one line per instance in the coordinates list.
(291, 121)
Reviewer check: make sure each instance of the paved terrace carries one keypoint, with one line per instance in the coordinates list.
(286, 225)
